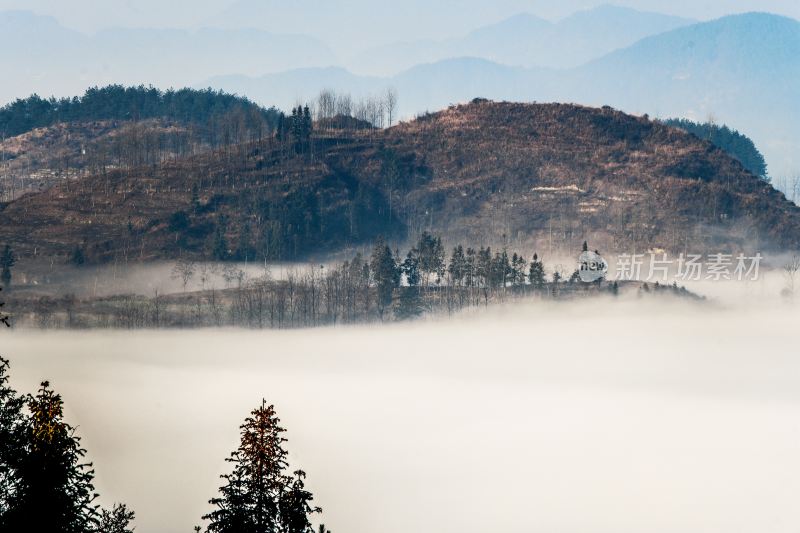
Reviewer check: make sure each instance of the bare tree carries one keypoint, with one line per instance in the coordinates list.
(231, 273)
(391, 104)
(344, 105)
(790, 270)
(326, 104)
(184, 271)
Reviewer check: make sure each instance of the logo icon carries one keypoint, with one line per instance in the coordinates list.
(591, 267)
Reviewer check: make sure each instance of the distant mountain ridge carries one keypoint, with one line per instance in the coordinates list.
(741, 70)
(273, 36)
(52, 60)
(528, 41)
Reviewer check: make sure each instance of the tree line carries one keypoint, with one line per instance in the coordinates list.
(740, 146)
(46, 483)
(382, 285)
(333, 109)
(117, 102)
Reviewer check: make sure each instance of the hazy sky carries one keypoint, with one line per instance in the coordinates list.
(90, 15)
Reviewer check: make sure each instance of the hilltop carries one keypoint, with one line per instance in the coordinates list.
(539, 176)
(43, 141)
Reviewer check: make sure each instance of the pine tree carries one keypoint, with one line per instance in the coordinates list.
(585, 247)
(500, 270)
(55, 486)
(13, 431)
(430, 251)
(234, 504)
(295, 506)
(518, 265)
(458, 266)
(280, 129)
(307, 124)
(258, 497)
(7, 261)
(536, 273)
(410, 268)
(385, 273)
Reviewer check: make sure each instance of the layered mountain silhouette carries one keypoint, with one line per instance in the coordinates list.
(48, 59)
(527, 40)
(742, 70)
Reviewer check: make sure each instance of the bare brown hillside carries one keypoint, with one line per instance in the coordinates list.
(566, 172)
(535, 175)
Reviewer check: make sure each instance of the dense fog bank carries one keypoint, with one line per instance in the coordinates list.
(658, 415)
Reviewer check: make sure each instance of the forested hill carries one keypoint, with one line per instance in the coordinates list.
(738, 145)
(531, 177)
(116, 102)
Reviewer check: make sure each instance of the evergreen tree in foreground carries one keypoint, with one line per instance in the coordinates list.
(13, 430)
(54, 490)
(45, 485)
(258, 496)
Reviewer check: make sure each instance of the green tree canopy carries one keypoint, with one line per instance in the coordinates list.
(117, 102)
(736, 144)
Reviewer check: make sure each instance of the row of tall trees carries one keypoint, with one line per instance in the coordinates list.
(298, 127)
(117, 102)
(425, 264)
(736, 144)
(46, 484)
(117, 127)
(379, 110)
(376, 287)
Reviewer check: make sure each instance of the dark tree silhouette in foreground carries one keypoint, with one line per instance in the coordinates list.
(45, 484)
(54, 490)
(13, 429)
(117, 520)
(258, 496)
